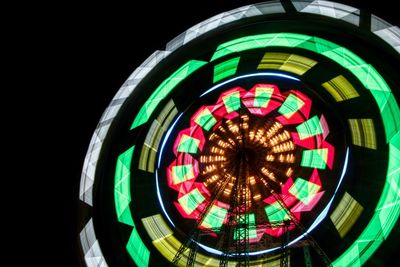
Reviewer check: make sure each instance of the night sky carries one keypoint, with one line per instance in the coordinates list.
(90, 54)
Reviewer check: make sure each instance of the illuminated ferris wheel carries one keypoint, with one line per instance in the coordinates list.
(268, 135)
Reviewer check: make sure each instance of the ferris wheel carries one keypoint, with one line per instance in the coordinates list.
(268, 135)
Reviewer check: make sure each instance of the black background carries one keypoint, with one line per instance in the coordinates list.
(81, 55)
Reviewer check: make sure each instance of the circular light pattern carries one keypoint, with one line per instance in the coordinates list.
(263, 137)
(258, 143)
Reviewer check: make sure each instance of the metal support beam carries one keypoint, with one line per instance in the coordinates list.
(285, 249)
(195, 231)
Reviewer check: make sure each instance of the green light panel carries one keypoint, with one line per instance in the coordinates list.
(340, 89)
(309, 128)
(122, 192)
(262, 96)
(258, 41)
(391, 116)
(182, 173)
(304, 190)
(215, 218)
(363, 132)
(315, 158)
(291, 105)
(164, 89)
(232, 101)
(122, 197)
(191, 200)
(206, 120)
(287, 62)
(225, 69)
(252, 227)
(137, 250)
(276, 213)
(346, 214)
(188, 144)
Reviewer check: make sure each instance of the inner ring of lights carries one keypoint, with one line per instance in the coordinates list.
(289, 110)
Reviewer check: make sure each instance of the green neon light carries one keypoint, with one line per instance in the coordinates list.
(259, 41)
(315, 158)
(225, 69)
(191, 200)
(215, 218)
(122, 192)
(137, 250)
(232, 101)
(122, 197)
(164, 89)
(206, 119)
(291, 105)
(262, 96)
(374, 234)
(304, 190)
(276, 213)
(390, 113)
(309, 128)
(182, 173)
(188, 144)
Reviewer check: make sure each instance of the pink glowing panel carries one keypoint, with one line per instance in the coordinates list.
(189, 185)
(204, 191)
(259, 235)
(185, 158)
(278, 231)
(309, 143)
(194, 215)
(285, 187)
(287, 199)
(324, 125)
(314, 178)
(219, 123)
(221, 204)
(231, 116)
(331, 153)
(218, 110)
